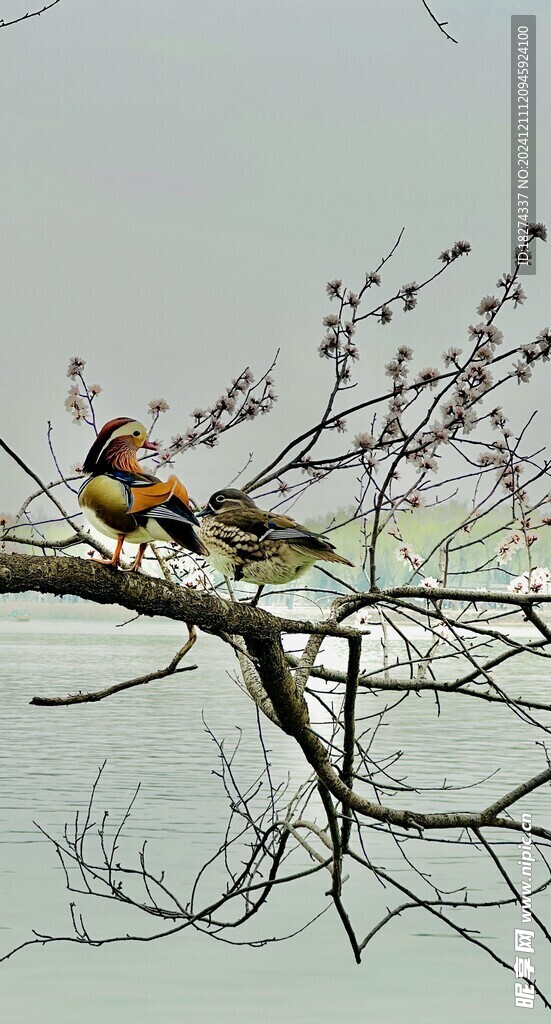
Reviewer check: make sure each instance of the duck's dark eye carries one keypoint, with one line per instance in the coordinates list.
(136, 433)
(219, 499)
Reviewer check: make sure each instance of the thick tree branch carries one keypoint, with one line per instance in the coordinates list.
(349, 713)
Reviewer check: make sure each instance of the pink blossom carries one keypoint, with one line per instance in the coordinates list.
(224, 404)
(395, 370)
(461, 248)
(76, 366)
(364, 441)
(157, 405)
(495, 337)
(530, 352)
(497, 418)
(333, 288)
(428, 376)
(467, 418)
(164, 455)
(508, 547)
(537, 230)
(425, 463)
(391, 425)
(544, 341)
(351, 351)
(536, 582)
(487, 305)
(522, 372)
(477, 331)
(485, 354)
(409, 296)
(328, 347)
(405, 554)
(78, 408)
(385, 315)
(440, 432)
(73, 393)
(451, 355)
(518, 296)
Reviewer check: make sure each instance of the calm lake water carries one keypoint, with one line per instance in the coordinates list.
(414, 971)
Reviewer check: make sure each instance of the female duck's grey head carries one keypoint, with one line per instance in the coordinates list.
(228, 499)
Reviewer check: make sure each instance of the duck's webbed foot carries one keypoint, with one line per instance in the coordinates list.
(114, 561)
(138, 560)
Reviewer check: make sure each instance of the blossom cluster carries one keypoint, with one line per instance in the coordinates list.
(339, 346)
(80, 399)
(461, 248)
(408, 294)
(509, 546)
(406, 554)
(242, 400)
(534, 582)
(460, 410)
(337, 343)
(157, 406)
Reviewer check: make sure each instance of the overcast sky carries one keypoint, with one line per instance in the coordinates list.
(179, 180)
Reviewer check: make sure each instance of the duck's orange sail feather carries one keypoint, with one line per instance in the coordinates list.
(148, 496)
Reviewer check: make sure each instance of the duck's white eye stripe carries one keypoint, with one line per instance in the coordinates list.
(120, 432)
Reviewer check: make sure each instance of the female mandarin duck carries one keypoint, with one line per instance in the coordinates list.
(246, 543)
(123, 502)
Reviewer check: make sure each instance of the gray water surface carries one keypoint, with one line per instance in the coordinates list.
(414, 971)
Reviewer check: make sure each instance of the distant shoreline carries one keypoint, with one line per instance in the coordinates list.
(46, 607)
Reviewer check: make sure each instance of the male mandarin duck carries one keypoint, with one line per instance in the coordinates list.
(246, 543)
(125, 503)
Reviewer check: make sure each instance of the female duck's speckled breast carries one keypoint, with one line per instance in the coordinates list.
(235, 553)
